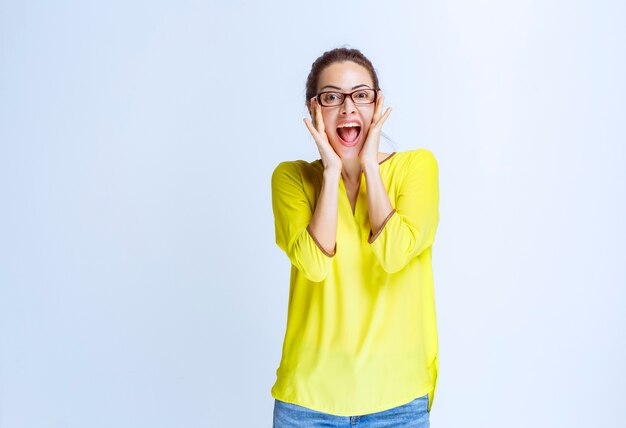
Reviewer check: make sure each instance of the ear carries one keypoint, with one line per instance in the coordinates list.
(309, 107)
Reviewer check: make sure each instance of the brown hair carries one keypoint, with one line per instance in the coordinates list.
(330, 57)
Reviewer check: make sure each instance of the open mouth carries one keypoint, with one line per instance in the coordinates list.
(349, 135)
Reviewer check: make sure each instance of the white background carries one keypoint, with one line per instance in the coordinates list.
(140, 284)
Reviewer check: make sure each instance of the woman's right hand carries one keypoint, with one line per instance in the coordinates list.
(330, 158)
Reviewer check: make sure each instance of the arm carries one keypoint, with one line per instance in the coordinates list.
(404, 232)
(297, 226)
(378, 205)
(323, 223)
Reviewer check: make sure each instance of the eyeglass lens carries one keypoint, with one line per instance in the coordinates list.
(365, 96)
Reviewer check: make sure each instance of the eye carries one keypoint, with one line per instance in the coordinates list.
(364, 95)
(330, 96)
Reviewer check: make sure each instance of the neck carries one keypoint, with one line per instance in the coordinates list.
(351, 171)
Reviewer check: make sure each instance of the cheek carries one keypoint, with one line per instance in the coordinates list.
(329, 122)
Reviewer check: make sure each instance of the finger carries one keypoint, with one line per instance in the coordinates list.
(311, 129)
(379, 108)
(383, 118)
(311, 108)
(320, 118)
(313, 112)
(319, 140)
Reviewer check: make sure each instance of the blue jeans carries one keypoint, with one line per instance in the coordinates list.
(411, 415)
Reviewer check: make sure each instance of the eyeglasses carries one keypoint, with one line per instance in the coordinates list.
(333, 99)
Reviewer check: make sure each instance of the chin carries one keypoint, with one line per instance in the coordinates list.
(342, 149)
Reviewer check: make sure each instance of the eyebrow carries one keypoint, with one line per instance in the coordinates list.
(339, 89)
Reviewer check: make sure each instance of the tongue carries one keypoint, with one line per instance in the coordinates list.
(348, 134)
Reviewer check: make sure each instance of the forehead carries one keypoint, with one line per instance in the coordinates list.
(344, 75)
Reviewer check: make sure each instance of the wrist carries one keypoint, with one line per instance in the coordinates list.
(332, 173)
(370, 167)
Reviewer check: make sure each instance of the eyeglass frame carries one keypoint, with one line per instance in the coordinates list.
(317, 97)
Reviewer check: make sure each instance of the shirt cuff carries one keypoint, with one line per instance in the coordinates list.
(326, 253)
(373, 237)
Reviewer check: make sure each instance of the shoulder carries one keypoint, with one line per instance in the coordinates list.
(411, 159)
(296, 170)
(421, 154)
(289, 167)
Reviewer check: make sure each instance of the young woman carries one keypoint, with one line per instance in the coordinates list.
(361, 344)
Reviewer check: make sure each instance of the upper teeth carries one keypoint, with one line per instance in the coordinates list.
(348, 124)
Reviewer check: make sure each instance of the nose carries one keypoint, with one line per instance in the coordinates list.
(348, 106)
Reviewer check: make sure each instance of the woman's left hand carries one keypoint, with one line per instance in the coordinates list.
(369, 152)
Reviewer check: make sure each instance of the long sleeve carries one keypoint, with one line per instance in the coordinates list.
(292, 215)
(411, 226)
(364, 339)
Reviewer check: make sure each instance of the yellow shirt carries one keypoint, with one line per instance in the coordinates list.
(361, 331)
